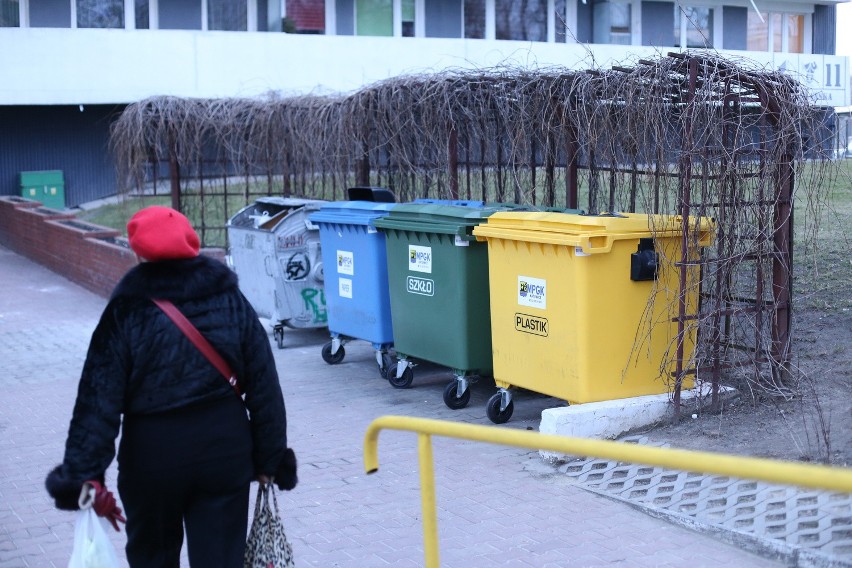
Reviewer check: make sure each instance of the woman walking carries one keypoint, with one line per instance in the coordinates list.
(189, 446)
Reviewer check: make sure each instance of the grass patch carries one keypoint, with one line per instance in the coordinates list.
(822, 259)
(116, 215)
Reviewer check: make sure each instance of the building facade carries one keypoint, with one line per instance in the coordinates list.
(69, 65)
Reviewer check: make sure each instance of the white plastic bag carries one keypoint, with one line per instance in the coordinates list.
(92, 547)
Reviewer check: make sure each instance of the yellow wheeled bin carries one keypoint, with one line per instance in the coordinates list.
(584, 307)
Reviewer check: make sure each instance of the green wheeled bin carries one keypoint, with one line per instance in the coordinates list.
(47, 186)
(438, 284)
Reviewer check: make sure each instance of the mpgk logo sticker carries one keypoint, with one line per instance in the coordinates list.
(532, 292)
(420, 258)
(345, 262)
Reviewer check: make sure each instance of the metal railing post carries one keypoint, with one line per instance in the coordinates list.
(427, 497)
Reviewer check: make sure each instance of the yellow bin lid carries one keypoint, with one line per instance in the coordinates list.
(594, 233)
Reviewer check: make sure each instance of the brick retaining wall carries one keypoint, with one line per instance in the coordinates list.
(90, 255)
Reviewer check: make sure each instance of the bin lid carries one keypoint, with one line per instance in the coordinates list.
(43, 177)
(459, 202)
(351, 212)
(291, 202)
(266, 212)
(434, 218)
(594, 233)
(371, 193)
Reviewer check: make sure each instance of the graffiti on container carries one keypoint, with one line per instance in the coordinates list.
(290, 241)
(298, 266)
(315, 301)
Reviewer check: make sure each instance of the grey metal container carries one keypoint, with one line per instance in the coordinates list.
(275, 251)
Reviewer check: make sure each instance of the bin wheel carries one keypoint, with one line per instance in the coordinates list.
(387, 365)
(403, 381)
(278, 334)
(453, 401)
(332, 358)
(492, 408)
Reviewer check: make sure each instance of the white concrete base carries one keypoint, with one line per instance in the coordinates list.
(612, 418)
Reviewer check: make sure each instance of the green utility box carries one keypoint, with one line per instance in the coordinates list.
(438, 284)
(47, 186)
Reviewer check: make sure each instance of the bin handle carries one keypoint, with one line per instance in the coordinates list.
(592, 244)
(266, 261)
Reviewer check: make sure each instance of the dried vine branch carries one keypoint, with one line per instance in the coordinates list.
(694, 134)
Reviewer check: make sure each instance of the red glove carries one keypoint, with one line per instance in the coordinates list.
(104, 504)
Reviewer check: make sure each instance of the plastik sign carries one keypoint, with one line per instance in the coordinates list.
(420, 259)
(532, 292)
(534, 325)
(345, 262)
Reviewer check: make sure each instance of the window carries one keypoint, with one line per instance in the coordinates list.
(787, 32)
(693, 26)
(227, 15)
(795, 33)
(305, 17)
(758, 33)
(374, 17)
(526, 21)
(100, 13)
(474, 19)
(142, 15)
(560, 21)
(10, 14)
(611, 23)
(407, 18)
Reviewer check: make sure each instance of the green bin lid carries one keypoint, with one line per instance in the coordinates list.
(434, 218)
(44, 177)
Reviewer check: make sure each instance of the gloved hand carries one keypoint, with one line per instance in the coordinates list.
(104, 503)
(285, 478)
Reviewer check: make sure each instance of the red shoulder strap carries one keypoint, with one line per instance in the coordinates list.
(192, 333)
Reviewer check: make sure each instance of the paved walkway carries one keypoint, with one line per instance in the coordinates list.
(497, 506)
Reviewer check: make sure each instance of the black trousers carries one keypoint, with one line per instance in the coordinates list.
(187, 469)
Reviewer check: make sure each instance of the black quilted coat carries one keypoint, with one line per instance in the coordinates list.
(140, 363)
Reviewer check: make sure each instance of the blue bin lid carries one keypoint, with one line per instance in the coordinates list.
(351, 212)
(456, 202)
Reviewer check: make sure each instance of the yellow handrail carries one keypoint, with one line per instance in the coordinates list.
(774, 471)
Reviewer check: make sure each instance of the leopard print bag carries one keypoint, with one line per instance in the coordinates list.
(267, 545)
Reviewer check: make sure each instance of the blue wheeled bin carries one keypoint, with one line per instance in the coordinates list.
(356, 279)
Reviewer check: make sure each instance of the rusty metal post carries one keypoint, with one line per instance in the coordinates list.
(685, 203)
(453, 160)
(571, 157)
(362, 166)
(288, 188)
(719, 302)
(500, 181)
(550, 172)
(634, 183)
(174, 173)
(482, 169)
(467, 159)
(532, 169)
(782, 268)
(782, 239)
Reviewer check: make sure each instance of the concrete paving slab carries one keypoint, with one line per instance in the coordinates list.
(496, 505)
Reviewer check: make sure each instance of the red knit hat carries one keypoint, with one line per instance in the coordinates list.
(161, 233)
